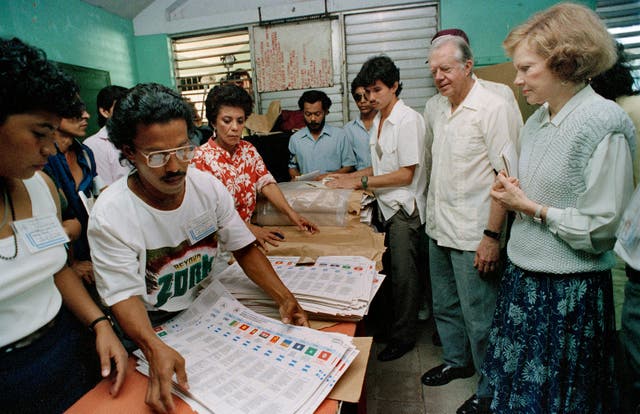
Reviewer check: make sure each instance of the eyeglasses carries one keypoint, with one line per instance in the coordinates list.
(156, 159)
(359, 97)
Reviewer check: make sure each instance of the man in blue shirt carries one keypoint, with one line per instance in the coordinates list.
(319, 147)
(358, 129)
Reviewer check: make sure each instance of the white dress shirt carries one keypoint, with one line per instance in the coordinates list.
(107, 157)
(401, 144)
(467, 149)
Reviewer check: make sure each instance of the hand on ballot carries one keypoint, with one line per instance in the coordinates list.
(292, 313)
(163, 362)
(256, 265)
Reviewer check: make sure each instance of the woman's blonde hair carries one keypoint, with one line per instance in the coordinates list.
(572, 39)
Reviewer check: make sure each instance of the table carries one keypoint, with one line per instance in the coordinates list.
(130, 400)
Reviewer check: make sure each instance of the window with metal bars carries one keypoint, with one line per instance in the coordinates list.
(622, 18)
(204, 61)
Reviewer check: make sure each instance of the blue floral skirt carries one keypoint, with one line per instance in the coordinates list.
(551, 343)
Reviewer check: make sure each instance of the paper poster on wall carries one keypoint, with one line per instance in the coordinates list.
(294, 56)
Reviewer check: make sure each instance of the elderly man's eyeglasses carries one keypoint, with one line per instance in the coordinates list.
(359, 97)
(156, 159)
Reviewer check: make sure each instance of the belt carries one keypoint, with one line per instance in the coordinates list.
(633, 274)
(29, 339)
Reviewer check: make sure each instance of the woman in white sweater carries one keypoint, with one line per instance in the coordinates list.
(550, 346)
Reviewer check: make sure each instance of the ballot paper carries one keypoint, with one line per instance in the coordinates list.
(238, 361)
(338, 288)
(509, 158)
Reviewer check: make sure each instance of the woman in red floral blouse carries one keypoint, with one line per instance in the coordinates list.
(237, 163)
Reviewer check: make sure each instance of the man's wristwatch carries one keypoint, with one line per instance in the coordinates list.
(364, 180)
(494, 235)
(537, 217)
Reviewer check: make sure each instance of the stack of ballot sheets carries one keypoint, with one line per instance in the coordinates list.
(336, 288)
(238, 361)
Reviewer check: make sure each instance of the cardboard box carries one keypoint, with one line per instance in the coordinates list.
(263, 124)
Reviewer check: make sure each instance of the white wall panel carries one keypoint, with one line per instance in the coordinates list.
(402, 34)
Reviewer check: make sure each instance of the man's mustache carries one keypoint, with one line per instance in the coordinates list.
(171, 175)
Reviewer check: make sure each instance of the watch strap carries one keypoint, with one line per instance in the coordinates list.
(537, 217)
(364, 180)
(93, 324)
(494, 235)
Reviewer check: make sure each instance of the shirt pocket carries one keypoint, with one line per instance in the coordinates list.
(388, 156)
(468, 142)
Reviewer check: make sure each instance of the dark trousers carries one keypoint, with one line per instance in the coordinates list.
(397, 303)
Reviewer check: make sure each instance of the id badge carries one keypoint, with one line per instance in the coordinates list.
(201, 226)
(40, 233)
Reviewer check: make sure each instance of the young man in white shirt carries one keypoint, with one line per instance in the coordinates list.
(398, 179)
(154, 234)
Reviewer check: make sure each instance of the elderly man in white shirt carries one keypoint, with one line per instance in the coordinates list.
(471, 131)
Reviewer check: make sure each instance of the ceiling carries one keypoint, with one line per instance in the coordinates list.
(123, 8)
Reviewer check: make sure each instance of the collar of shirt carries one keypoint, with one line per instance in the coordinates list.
(326, 130)
(219, 151)
(575, 101)
(359, 123)
(474, 99)
(103, 133)
(397, 112)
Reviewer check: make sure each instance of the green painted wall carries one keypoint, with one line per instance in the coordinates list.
(74, 32)
(487, 22)
(153, 57)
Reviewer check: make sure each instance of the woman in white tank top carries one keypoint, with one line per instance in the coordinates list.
(44, 364)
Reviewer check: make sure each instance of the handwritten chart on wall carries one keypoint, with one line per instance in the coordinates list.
(295, 56)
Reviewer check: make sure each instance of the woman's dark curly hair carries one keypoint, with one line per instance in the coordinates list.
(227, 95)
(146, 104)
(29, 82)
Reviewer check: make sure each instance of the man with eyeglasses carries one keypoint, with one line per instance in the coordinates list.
(318, 147)
(358, 129)
(154, 234)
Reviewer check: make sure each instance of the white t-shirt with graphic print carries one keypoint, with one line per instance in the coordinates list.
(139, 250)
